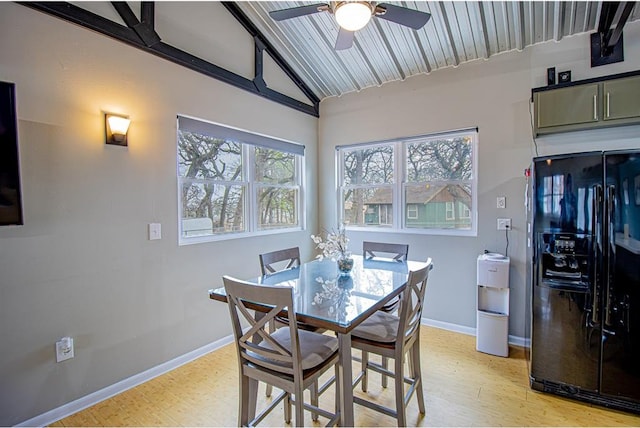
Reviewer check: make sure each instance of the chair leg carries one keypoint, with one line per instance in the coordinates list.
(299, 406)
(385, 364)
(417, 374)
(287, 409)
(243, 402)
(314, 399)
(337, 390)
(365, 365)
(248, 397)
(399, 391)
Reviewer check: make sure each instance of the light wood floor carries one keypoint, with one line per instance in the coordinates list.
(463, 387)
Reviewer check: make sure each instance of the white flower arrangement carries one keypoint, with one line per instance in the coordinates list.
(335, 246)
(335, 294)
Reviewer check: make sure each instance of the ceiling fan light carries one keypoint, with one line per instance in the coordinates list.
(353, 16)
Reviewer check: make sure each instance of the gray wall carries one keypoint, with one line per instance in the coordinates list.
(494, 96)
(82, 265)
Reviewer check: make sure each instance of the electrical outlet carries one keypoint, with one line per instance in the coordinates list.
(501, 202)
(64, 349)
(504, 224)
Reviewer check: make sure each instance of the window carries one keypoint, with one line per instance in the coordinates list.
(465, 212)
(233, 183)
(424, 184)
(449, 211)
(412, 212)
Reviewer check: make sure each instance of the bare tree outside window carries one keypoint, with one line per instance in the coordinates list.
(211, 166)
(277, 193)
(434, 179)
(440, 170)
(368, 172)
(227, 186)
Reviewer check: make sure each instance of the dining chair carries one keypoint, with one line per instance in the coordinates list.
(397, 252)
(391, 252)
(287, 358)
(394, 336)
(274, 262)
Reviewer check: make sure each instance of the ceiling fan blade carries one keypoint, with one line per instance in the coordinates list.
(403, 16)
(294, 12)
(345, 39)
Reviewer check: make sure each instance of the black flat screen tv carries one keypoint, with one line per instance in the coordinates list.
(10, 196)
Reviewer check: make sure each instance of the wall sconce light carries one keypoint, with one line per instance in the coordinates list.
(116, 128)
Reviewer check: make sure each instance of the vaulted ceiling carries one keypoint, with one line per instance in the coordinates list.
(458, 32)
(383, 51)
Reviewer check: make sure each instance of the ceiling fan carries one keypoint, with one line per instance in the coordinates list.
(351, 16)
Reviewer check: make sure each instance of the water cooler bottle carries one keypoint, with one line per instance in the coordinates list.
(492, 323)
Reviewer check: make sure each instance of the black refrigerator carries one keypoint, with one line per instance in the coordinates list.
(585, 277)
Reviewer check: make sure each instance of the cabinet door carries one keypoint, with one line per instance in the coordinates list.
(567, 106)
(622, 98)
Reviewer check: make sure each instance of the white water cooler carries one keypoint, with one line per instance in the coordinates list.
(492, 322)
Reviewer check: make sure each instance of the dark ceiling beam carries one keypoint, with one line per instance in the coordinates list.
(607, 17)
(614, 36)
(144, 30)
(606, 42)
(133, 37)
(607, 14)
(125, 13)
(148, 13)
(233, 8)
(259, 64)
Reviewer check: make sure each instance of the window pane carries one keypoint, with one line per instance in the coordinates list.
(210, 209)
(440, 160)
(201, 156)
(372, 165)
(368, 207)
(273, 166)
(439, 207)
(277, 208)
(233, 181)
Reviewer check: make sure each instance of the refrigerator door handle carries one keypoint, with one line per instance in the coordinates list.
(611, 194)
(595, 244)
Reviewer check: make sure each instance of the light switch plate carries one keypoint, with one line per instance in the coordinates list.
(501, 202)
(155, 231)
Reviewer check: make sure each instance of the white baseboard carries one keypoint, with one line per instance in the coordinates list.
(448, 326)
(82, 403)
(95, 397)
(513, 340)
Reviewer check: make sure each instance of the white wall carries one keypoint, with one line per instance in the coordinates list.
(82, 265)
(494, 96)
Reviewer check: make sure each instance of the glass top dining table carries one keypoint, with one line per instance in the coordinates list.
(326, 298)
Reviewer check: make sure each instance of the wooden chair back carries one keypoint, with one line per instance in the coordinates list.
(412, 304)
(256, 344)
(397, 252)
(276, 261)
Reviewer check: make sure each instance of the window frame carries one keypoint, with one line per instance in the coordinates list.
(400, 183)
(449, 210)
(249, 142)
(412, 211)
